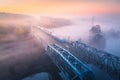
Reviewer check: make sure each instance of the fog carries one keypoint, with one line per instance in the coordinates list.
(10, 31)
(109, 25)
(17, 40)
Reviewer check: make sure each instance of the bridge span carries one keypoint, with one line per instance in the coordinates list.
(71, 67)
(107, 65)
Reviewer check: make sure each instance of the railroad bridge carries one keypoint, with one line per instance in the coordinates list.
(77, 55)
(71, 67)
(103, 60)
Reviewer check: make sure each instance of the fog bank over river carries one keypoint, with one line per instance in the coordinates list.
(79, 29)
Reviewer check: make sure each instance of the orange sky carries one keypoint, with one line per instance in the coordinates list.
(59, 6)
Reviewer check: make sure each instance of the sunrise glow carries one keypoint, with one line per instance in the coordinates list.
(58, 7)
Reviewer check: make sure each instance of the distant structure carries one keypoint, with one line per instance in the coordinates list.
(50, 22)
(93, 20)
(96, 37)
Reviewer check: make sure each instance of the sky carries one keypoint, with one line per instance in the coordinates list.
(60, 6)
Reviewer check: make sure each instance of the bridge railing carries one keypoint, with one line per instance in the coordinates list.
(107, 62)
(70, 66)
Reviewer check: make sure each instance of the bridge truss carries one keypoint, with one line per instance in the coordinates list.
(70, 66)
(107, 62)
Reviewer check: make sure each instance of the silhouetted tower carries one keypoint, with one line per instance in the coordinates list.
(93, 20)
